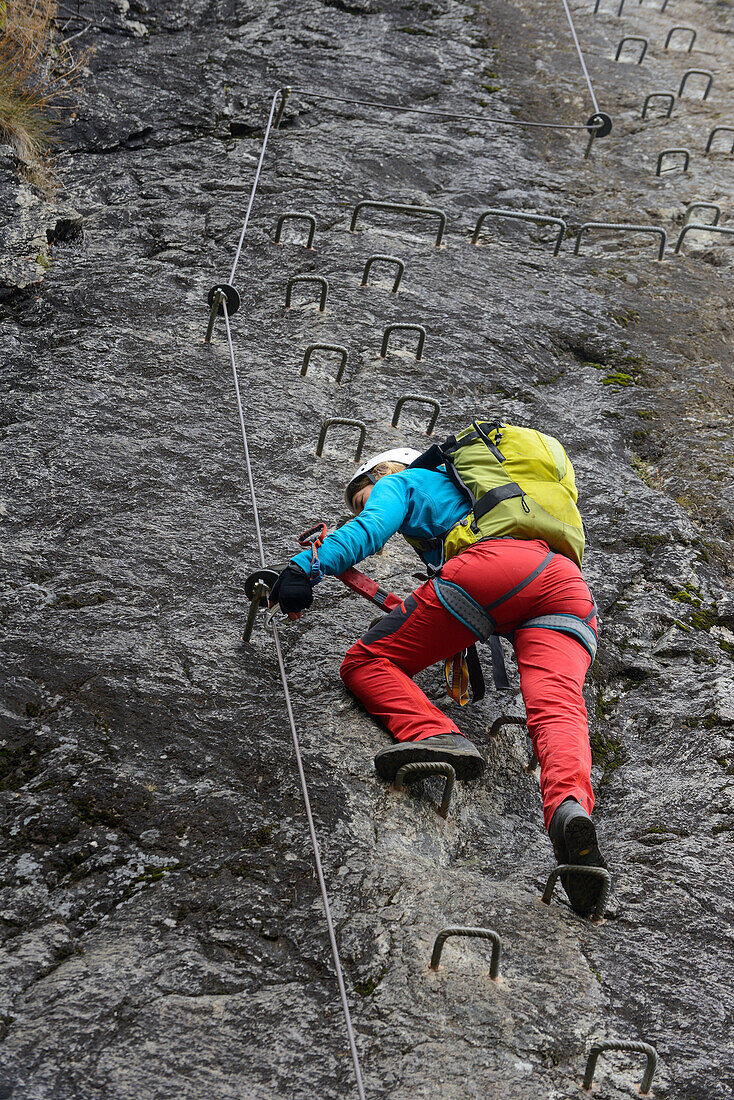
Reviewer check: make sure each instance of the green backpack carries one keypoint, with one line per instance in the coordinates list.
(518, 482)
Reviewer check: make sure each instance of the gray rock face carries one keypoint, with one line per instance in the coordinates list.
(161, 923)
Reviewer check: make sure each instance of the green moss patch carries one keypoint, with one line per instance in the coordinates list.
(368, 987)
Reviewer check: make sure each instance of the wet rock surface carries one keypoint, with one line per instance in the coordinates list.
(161, 924)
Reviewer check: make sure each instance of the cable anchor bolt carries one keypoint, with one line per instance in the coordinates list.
(599, 125)
(257, 589)
(221, 292)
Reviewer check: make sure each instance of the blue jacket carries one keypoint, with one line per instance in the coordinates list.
(422, 504)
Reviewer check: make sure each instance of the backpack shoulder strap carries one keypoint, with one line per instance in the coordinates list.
(439, 455)
(432, 458)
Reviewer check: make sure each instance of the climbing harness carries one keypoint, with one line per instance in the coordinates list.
(465, 608)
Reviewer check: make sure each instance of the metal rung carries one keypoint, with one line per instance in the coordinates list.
(577, 869)
(516, 215)
(633, 38)
(338, 349)
(320, 281)
(719, 130)
(623, 1044)
(401, 208)
(669, 96)
(417, 399)
(344, 422)
(652, 230)
(511, 720)
(697, 72)
(378, 257)
(399, 326)
(423, 770)
(685, 153)
(298, 216)
(696, 228)
(475, 933)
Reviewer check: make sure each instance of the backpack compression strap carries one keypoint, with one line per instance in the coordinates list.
(495, 496)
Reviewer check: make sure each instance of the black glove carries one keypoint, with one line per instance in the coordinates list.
(292, 590)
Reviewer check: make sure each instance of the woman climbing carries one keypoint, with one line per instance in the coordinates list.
(492, 513)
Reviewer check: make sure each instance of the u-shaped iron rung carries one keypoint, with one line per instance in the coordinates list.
(424, 769)
(296, 215)
(340, 350)
(401, 208)
(418, 399)
(400, 327)
(379, 258)
(704, 206)
(633, 38)
(347, 423)
(685, 153)
(515, 215)
(473, 933)
(698, 228)
(652, 230)
(719, 130)
(620, 8)
(577, 869)
(623, 1044)
(697, 72)
(659, 95)
(319, 280)
(686, 30)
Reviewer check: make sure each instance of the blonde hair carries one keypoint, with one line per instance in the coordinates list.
(382, 469)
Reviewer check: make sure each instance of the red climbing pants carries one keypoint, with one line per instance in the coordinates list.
(379, 668)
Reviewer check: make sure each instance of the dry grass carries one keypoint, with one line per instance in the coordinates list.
(37, 77)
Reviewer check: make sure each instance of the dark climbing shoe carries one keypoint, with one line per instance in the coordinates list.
(574, 840)
(449, 748)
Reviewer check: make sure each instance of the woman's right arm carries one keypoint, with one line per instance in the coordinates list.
(382, 516)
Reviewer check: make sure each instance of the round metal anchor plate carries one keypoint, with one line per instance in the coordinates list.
(267, 576)
(604, 129)
(231, 295)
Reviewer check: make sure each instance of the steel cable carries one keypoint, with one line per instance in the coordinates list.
(581, 56)
(252, 193)
(449, 114)
(291, 718)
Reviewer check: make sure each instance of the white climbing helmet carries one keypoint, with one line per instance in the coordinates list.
(405, 455)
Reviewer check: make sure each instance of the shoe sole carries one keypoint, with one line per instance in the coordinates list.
(467, 765)
(583, 848)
